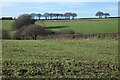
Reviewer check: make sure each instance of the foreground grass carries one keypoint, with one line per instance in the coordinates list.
(60, 58)
(45, 50)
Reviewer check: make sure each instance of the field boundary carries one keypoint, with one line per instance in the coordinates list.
(82, 36)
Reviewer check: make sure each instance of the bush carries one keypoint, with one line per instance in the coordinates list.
(18, 34)
(33, 31)
(66, 31)
(23, 20)
(29, 32)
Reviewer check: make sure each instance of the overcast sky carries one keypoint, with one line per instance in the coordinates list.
(83, 9)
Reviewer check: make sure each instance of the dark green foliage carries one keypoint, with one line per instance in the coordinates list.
(66, 31)
(84, 58)
(69, 68)
(50, 32)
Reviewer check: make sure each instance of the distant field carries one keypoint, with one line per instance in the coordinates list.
(79, 26)
(7, 24)
(85, 25)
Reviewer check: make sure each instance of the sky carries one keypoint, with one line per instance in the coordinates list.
(82, 9)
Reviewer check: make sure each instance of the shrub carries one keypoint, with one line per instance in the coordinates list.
(23, 20)
(33, 31)
(29, 32)
(66, 31)
(18, 34)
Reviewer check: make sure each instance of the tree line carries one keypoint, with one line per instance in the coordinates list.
(52, 16)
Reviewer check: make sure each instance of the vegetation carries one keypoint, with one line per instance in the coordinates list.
(26, 29)
(86, 26)
(60, 58)
(7, 24)
(56, 16)
(23, 20)
(66, 31)
(5, 34)
(100, 14)
(33, 31)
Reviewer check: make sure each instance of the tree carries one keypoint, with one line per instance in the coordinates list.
(51, 15)
(23, 20)
(46, 15)
(33, 15)
(54, 15)
(61, 16)
(67, 15)
(33, 31)
(74, 15)
(100, 14)
(106, 14)
(57, 15)
(18, 34)
(39, 16)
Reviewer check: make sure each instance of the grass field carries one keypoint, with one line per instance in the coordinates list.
(91, 54)
(7, 24)
(59, 49)
(85, 26)
(79, 26)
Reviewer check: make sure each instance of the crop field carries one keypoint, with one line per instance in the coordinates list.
(87, 26)
(83, 58)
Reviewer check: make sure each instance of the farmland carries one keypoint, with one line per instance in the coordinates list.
(63, 58)
(59, 48)
(86, 26)
(80, 58)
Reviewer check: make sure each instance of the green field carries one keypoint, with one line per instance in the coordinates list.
(79, 26)
(7, 24)
(41, 58)
(59, 49)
